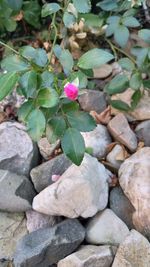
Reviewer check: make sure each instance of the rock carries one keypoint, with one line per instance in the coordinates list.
(98, 140)
(120, 130)
(102, 72)
(92, 100)
(115, 156)
(121, 206)
(134, 178)
(17, 151)
(46, 149)
(5, 263)
(47, 246)
(12, 228)
(134, 251)
(16, 192)
(142, 110)
(36, 220)
(81, 191)
(42, 175)
(106, 228)
(143, 132)
(90, 256)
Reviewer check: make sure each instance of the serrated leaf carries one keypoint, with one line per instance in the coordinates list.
(94, 58)
(55, 129)
(73, 145)
(82, 6)
(32, 12)
(68, 105)
(66, 61)
(49, 9)
(14, 63)
(108, 5)
(121, 35)
(118, 104)
(130, 22)
(27, 51)
(118, 84)
(47, 98)
(135, 98)
(7, 83)
(135, 81)
(25, 110)
(69, 20)
(15, 4)
(47, 79)
(28, 82)
(126, 64)
(36, 124)
(81, 121)
(40, 57)
(145, 35)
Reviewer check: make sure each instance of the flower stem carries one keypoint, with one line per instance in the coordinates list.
(53, 26)
(9, 47)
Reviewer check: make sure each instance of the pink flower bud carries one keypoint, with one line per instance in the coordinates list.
(71, 91)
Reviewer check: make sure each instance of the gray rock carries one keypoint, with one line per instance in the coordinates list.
(16, 192)
(80, 191)
(17, 151)
(36, 220)
(133, 252)
(47, 246)
(106, 228)
(46, 149)
(121, 206)
(143, 132)
(90, 256)
(114, 156)
(5, 263)
(12, 228)
(92, 100)
(42, 174)
(98, 140)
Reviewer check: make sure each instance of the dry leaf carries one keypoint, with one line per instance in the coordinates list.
(3, 117)
(46, 45)
(140, 145)
(111, 146)
(103, 117)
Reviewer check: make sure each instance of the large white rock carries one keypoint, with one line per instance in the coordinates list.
(134, 178)
(98, 140)
(80, 191)
(106, 228)
(134, 251)
(90, 256)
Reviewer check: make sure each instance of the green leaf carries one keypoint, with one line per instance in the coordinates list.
(92, 20)
(32, 12)
(25, 110)
(82, 78)
(28, 52)
(136, 98)
(9, 24)
(146, 84)
(94, 58)
(121, 35)
(49, 9)
(81, 121)
(28, 82)
(126, 64)
(73, 145)
(36, 124)
(108, 5)
(14, 63)
(55, 129)
(82, 6)
(145, 35)
(113, 22)
(66, 61)
(47, 98)
(118, 84)
(69, 20)
(141, 54)
(15, 4)
(118, 104)
(135, 81)
(40, 57)
(7, 83)
(130, 22)
(47, 79)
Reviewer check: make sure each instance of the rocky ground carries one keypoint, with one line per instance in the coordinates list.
(53, 213)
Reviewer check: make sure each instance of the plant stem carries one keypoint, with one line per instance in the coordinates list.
(113, 47)
(9, 47)
(53, 26)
